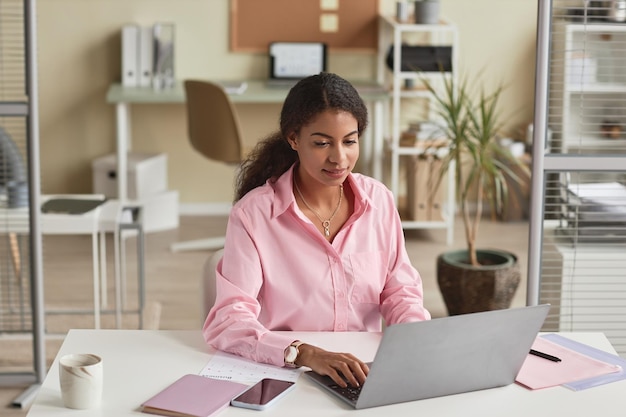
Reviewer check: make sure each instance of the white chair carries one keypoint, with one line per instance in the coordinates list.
(208, 281)
(87, 223)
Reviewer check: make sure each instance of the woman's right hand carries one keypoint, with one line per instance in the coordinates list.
(340, 367)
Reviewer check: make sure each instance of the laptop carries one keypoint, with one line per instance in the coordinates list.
(292, 61)
(444, 356)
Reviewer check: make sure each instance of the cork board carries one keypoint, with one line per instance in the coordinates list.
(341, 24)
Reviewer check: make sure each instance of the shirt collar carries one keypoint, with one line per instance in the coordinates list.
(283, 189)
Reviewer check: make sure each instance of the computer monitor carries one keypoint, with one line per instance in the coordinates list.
(296, 60)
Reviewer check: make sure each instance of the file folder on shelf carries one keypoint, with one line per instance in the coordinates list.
(130, 55)
(146, 54)
(424, 197)
(417, 192)
(435, 193)
(163, 75)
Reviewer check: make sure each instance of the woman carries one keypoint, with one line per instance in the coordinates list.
(311, 246)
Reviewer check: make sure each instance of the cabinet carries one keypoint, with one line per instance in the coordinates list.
(583, 284)
(409, 102)
(588, 85)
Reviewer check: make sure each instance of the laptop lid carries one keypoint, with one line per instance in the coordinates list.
(448, 355)
(292, 61)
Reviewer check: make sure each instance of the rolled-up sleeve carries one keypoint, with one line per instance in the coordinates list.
(233, 323)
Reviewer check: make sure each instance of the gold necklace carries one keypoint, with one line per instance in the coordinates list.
(325, 223)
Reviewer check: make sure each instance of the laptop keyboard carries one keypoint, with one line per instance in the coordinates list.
(350, 392)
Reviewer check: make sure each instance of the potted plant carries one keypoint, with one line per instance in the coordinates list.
(475, 279)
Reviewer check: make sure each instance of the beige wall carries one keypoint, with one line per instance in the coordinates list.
(79, 56)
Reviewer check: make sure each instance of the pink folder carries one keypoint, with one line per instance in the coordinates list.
(193, 396)
(539, 373)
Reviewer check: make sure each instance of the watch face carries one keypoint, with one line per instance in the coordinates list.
(291, 354)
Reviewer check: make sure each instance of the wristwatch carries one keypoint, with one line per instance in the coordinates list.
(291, 354)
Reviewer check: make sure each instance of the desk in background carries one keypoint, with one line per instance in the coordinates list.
(112, 217)
(256, 92)
(146, 361)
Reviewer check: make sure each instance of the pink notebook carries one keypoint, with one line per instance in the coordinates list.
(193, 396)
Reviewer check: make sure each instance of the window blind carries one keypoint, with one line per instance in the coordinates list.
(582, 169)
(21, 296)
(15, 311)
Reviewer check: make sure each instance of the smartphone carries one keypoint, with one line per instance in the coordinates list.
(263, 394)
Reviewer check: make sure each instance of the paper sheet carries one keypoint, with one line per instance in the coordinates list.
(539, 373)
(234, 368)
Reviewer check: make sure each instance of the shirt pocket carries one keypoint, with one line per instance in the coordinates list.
(368, 274)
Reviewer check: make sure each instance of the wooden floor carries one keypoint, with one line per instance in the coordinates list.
(173, 280)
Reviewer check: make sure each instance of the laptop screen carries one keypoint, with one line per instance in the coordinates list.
(296, 60)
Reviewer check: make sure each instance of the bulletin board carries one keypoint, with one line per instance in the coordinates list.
(341, 24)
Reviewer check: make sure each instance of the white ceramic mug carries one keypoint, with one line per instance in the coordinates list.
(80, 375)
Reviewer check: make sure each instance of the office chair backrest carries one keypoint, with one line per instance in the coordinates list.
(212, 123)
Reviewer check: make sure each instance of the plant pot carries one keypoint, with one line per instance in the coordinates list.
(469, 289)
(426, 12)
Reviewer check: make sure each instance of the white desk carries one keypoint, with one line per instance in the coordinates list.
(256, 92)
(139, 363)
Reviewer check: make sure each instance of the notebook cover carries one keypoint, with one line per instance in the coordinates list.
(194, 396)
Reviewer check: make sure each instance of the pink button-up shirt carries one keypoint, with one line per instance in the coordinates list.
(279, 273)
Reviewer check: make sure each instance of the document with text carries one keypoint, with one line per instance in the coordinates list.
(226, 366)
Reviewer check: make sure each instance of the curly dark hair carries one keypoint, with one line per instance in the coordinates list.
(311, 96)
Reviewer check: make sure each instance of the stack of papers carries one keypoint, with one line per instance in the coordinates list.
(234, 87)
(229, 367)
(580, 367)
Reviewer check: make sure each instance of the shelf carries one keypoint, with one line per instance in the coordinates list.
(408, 223)
(595, 143)
(612, 88)
(584, 58)
(414, 75)
(415, 93)
(443, 25)
(395, 34)
(597, 27)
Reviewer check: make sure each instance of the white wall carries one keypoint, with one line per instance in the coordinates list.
(79, 57)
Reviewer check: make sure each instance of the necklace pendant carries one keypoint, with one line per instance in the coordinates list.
(326, 225)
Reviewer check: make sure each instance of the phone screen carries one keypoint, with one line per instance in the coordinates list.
(263, 392)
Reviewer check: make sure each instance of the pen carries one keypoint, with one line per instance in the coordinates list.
(545, 355)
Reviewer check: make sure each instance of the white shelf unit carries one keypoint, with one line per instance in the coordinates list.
(589, 86)
(392, 32)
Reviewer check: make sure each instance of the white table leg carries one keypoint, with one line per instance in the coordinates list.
(118, 285)
(103, 271)
(96, 279)
(123, 266)
(123, 145)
